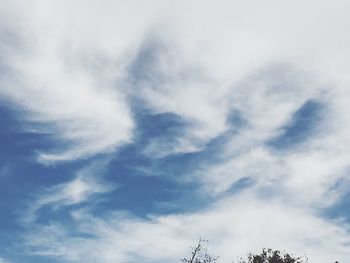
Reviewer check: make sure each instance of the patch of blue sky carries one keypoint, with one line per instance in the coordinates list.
(138, 194)
(21, 178)
(342, 207)
(131, 158)
(144, 65)
(212, 151)
(340, 210)
(148, 182)
(240, 185)
(302, 125)
(22, 256)
(151, 126)
(14, 151)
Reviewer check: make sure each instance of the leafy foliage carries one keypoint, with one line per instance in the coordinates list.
(273, 256)
(200, 255)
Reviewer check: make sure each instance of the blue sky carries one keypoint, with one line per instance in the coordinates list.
(130, 129)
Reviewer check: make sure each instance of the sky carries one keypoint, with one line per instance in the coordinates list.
(130, 129)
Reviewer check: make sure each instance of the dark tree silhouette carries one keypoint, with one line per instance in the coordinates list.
(273, 256)
(200, 254)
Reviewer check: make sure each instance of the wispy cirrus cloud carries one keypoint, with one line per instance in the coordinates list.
(87, 183)
(192, 75)
(62, 88)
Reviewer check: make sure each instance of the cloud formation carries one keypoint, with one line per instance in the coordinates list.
(269, 79)
(72, 69)
(86, 184)
(64, 90)
(232, 225)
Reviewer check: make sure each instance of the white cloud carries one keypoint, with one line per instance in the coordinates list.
(87, 183)
(233, 227)
(71, 67)
(306, 172)
(212, 54)
(65, 73)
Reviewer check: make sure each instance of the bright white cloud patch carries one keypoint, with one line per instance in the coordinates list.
(232, 225)
(65, 86)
